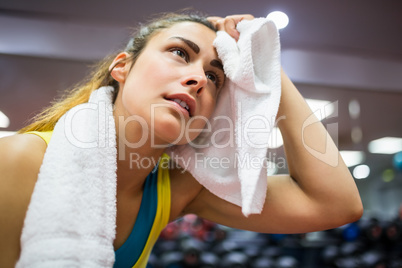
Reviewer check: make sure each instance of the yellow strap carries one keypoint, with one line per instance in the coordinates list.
(162, 211)
(44, 135)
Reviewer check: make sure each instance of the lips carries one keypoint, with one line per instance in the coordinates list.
(185, 101)
(182, 104)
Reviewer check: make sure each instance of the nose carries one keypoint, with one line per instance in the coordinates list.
(195, 82)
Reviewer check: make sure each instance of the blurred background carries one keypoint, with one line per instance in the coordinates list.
(344, 56)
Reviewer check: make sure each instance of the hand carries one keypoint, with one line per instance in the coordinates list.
(229, 23)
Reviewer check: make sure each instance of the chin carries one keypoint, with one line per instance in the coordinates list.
(172, 131)
(174, 137)
(180, 139)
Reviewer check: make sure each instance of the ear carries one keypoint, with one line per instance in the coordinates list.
(120, 67)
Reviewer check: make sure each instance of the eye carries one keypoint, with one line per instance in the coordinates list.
(214, 78)
(181, 53)
(211, 77)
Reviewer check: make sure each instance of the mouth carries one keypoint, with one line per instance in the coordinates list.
(184, 101)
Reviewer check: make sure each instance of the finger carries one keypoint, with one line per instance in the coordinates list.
(247, 17)
(230, 27)
(240, 17)
(231, 22)
(219, 24)
(214, 20)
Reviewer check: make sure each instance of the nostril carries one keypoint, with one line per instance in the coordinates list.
(191, 82)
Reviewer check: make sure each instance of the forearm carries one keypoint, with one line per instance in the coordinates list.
(312, 156)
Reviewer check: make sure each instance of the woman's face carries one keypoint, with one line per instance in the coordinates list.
(175, 82)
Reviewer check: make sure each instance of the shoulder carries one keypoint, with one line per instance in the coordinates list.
(21, 156)
(21, 153)
(20, 160)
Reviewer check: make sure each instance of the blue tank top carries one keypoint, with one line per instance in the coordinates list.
(128, 254)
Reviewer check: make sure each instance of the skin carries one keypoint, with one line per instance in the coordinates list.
(177, 74)
(313, 196)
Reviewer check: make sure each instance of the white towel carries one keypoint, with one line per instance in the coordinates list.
(71, 218)
(234, 167)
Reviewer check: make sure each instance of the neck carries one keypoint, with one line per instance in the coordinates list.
(137, 156)
(133, 166)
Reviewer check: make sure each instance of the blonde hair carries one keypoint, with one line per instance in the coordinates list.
(47, 119)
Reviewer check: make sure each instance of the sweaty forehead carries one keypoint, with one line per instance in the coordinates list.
(190, 25)
(193, 31)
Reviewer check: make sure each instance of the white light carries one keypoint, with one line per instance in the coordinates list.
(386, 145)
(280, 19)
(354, 109)
(271, 168)
(4, 121)
(361, 172)
(352, 158)
(6, 133)
(321, 108)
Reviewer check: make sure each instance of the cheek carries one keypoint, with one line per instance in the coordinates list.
(199, 123)
(208, 105)
(142, 87)
(152, 68)
(130, 101)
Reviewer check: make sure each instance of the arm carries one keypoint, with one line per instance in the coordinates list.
(319, 193)
(323, 177)
(314, 196)
(20, 159)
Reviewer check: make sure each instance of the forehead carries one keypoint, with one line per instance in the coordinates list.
(196, 32)
(189, 26)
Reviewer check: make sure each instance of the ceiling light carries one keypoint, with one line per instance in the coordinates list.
(280, 19)
(361, 172)
(4, 121)
(386, 145)
(354, 109)
(352, 158)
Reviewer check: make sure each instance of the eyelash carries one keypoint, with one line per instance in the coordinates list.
(182, 50)
(218, 80)
(186, 58)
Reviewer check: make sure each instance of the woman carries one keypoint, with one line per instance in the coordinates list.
(172, 57)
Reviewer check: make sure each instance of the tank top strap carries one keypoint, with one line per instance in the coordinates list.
(46, 135)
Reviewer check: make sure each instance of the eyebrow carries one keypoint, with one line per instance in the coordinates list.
(191, 44)
(196, 49)
(216, 64)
